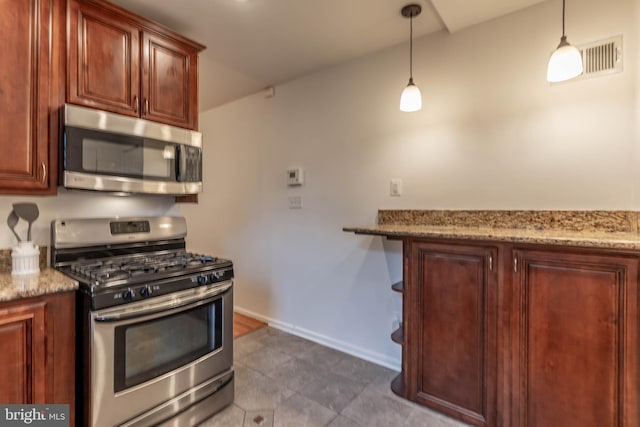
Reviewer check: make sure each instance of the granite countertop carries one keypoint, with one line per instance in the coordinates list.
(600, 229)
(48, 281)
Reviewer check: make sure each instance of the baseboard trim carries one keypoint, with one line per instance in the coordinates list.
(371, 356)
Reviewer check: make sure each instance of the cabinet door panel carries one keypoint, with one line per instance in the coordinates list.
(169, 87)
(14, 363)
(578, 343)
(453, 348)
(25, 82)
(23, 356)
(104, 60)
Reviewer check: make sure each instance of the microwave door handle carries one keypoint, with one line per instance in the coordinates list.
(177, 164)
(181, 164)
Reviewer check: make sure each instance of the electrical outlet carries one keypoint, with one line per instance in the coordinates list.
(295, 202)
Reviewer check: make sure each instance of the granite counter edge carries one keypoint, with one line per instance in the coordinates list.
(47, 282)
(627, 241)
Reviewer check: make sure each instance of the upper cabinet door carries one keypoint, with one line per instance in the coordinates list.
(104, 60)
(169, 81)
(29, 81)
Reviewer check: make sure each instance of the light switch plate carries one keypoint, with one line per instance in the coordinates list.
(396, 187)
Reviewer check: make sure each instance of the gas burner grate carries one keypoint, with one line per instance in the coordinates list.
(109, 270)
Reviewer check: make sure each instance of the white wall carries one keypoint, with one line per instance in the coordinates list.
(493, 135)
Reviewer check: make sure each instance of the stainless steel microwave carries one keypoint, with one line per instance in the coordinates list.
(103, 151)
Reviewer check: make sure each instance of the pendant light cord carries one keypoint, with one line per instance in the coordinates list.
(563, 4)
(411, 47)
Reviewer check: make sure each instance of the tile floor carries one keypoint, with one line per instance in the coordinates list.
(286, 381)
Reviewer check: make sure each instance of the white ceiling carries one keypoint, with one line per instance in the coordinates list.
(252, 44)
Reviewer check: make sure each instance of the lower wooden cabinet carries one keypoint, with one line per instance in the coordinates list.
(575, 340)
(23, 360)
(451, 342)
(498, 334)
(38, 354)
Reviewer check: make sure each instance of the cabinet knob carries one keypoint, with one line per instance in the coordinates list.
(135, 103)
(146, 106)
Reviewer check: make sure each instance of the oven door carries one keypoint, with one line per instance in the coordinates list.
(147, 353)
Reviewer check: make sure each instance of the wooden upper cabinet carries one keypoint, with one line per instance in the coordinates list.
(30, 83)
(125, 64)
(104, 60)
(576, 340)
(169, 81)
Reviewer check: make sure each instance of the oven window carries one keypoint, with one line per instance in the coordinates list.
(148, 349)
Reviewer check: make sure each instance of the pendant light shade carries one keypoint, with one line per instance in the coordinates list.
(566, 62)
(411, 98)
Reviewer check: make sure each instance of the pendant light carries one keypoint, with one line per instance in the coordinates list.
(566, 62)
(411, 99)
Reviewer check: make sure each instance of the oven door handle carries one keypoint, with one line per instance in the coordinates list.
(164, 307)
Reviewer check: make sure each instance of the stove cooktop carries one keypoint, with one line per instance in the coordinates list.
(125, 270)
(125, 260)
(115, 281)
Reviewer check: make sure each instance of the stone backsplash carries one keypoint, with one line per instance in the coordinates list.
(582, 221)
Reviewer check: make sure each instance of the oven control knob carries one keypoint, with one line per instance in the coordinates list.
(128, 295)
(202, 280)
(213, 277)
(145, 292)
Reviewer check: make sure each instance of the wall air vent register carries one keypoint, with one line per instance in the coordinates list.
(600, 58)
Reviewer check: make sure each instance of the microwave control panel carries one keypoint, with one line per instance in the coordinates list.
(189, 164)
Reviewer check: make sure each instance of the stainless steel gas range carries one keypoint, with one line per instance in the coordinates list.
(155, 322)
